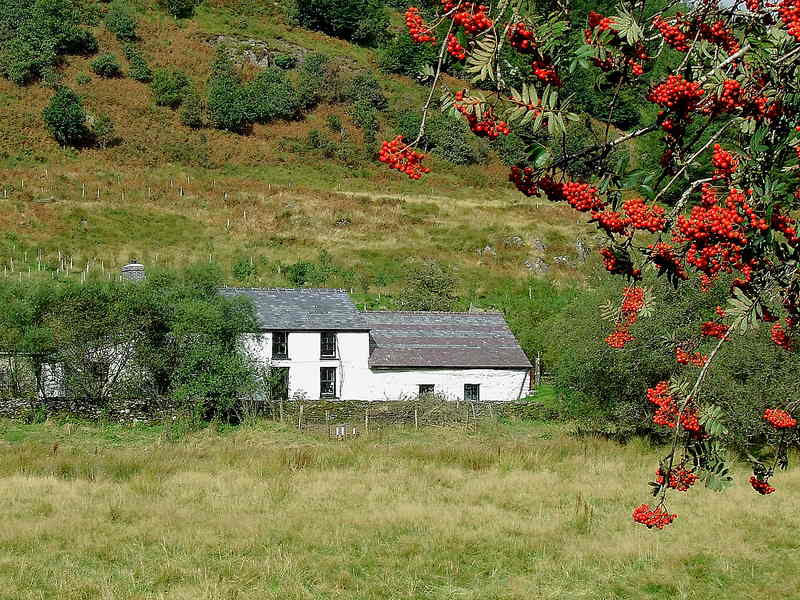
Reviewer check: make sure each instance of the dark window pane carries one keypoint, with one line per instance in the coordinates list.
(327, 382)
(280, 383)
(280, 345)
(426, 389)
(328, 344)
(472, 392)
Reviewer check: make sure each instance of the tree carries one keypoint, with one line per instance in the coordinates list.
(65, 118)
(229, 106)
(429, 286)
(180, 9)
(363, 22)
(169, 87)
(722, 99)
(272, 96)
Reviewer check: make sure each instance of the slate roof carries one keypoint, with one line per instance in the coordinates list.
(437, 339)
(298, 309)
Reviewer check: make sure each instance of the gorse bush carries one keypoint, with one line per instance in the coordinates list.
(169, 87)
(65, 118)
(120, 21)
(106, 65)
(362, 22)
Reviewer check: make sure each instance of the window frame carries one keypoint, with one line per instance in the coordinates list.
(323, 381)
(477, 391)
(323, 343)
(427, 392)
(285, 354)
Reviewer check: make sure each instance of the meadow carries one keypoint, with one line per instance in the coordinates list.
(501, 511)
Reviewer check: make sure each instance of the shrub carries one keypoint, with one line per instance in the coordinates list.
(284, 61)
(313, 80)
(365, 117)
(229, 106)
(272, 96)
(102, 131)
(106, 65)
(192, 113)
(363, 22)
(180, 9)
(430, 285)
(65, 118)
(139, 69)
(169, 87)
(82, 79)
(404, 57)
(446, 136)
(366, 87)
(120, 21)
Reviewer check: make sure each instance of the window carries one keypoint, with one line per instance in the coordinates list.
(327, 346)
(280, 345)
(472, 392)
(426, 389)
(279, 383)
(327, 382)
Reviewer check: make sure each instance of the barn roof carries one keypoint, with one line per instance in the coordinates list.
(439, 339)
(302, 308)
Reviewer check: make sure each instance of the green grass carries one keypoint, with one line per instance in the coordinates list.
(504, 512)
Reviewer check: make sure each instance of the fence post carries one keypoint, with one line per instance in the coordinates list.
(366, 418)
(416, 418)
(537, 370)
(300, 418)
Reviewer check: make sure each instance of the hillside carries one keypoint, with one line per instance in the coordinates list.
(282, 192)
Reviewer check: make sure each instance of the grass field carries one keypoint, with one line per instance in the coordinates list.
(511, 511)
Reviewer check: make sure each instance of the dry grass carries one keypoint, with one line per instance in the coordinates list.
(263, 512)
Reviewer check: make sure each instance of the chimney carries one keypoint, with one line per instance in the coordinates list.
(133, 272)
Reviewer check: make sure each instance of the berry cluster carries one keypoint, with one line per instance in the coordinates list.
(762, 487)
(471, 16)
(455, 48)
(753, 5)
(680, 479)
(731, 97)
(717, 33)
(581, 196)
(714, 329)
(545, 71)
(779, 419)
(781, 337)
(399, 155)
(618, 264)
(668, 413)
(523, 179)
(623, 55)
(485, 126)
(678, 32)
(684, 358)
(521, 38)
(789, 11)
(672, 34)
(658, 517)
(677, 95)
(638, 216)
(725, 163)
(417, 29)
(664, 257)
(786, 225)
(632, 304)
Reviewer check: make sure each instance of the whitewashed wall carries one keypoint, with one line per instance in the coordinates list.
(496, 385)
(356, 381)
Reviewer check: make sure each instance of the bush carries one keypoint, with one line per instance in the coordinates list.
(65, 118)
(404, 57)
(180, 9)
(313, 80)
(120, 21)
(272, 96)
(102, 131)
(169, 87)
(229, 106)
(366, 87)
(365, 117)
(284, 61)
(362, 22)
(446, 136)
(430, 285)
(106, 65)
(192, 113)
(139, 69)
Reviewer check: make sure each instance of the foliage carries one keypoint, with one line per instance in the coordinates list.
(106, 65)
(65, 118)
(272, 96)
(35, 33)
(361, 22)
(315, 80)
(229, 104)
(365, 87)
(192, 111)
(139, 69)
(102, 131)
(169, 87)
(120, 21)
(180, 9)
(444, 135)
(402, 56)
(430, 286)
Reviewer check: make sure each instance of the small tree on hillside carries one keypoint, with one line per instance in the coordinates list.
(228, 104)
(430, 286)
(65, 118)
(120, 21)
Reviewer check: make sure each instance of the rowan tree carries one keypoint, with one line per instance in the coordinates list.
(721, 81)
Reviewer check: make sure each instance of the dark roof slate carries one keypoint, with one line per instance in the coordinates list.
(299, 309)
(443, 340)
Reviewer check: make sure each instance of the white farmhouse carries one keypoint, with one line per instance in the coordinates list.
(323, 347)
